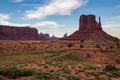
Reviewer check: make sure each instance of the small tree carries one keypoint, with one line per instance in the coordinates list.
(110, 68)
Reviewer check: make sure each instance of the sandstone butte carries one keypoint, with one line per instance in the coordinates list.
(90, 29)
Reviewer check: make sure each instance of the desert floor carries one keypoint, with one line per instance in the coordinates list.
(59, 60)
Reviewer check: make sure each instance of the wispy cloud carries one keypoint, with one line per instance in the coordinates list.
(17, 0)
(111, 25)
(114, 17)
(112, 29)
(117, 7)
(47, 24)
(55, 7)
(4, 20)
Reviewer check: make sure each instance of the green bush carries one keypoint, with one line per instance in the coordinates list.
(110, 68)
(82, 41)
(81, 46)
(111, 47)
(46, 76)
(15, 72)
(97, 46)
(2, 77)
(71, 77)
(45, 66)
(70, 45)
(88, 56)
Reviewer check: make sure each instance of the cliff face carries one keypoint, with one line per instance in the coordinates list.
(89, 29)
(88, 22)
(18, 33)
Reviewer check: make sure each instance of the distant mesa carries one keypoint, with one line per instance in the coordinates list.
(43, 36)
(22, 33)
(18, 33)
(89, 29)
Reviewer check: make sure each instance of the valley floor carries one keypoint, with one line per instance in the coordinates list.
(59, 60)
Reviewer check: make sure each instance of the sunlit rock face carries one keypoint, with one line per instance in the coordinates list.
(89, 29)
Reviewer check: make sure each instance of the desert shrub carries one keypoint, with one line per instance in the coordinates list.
(111, 47)
(67, 71)
(46, 76)
(71, 77)
(82, 41)
(2, 77)
(45, 66)
(77, 72)
(81, 46)
(73, 66)
(97, 46)
(115, 74)
(28, 72)
(110, 68)
(98, 78)
(72, 56)
(70, 45)
(88, 56)
(15, 72)
(33, 52)
(118, 60)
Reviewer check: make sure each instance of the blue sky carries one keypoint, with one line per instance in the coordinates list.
(60, 16)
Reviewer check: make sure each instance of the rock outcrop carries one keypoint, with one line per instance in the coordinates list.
(89, 29)
(43, 36)
(18, 33)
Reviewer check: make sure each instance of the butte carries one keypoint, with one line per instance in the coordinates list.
(90, 29)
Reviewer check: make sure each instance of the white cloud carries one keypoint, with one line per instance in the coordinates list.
(48, 24)
(17, 0)
(115, 17)
(112, 22)
(4, 20)
(111, 25)
(112, 29)
(59, 7)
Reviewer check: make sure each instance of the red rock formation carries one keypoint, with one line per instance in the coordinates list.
(46, 36)
(18, 33)
(89, 29)
(88, 22)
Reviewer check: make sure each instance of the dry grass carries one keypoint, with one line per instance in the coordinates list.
(69, 62)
